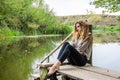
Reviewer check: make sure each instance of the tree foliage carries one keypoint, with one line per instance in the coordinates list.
(110, 5)
(27, 16)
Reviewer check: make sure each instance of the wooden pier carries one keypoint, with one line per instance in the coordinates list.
(88, 72)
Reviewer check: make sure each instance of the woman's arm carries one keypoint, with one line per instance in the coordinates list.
(85, 43)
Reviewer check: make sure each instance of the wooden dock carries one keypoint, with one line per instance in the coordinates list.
(87, 72)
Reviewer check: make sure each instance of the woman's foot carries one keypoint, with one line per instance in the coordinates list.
(54, 68)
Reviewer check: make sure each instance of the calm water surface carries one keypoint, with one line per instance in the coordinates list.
(19, 56)
(107, 55)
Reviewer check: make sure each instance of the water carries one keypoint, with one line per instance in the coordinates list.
(107, 55)
(19, 56)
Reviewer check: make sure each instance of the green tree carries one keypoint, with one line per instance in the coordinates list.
(110, 5)
(27, 16)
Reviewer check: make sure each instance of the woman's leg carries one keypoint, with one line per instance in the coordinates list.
(73, 56)
(56, 65)
(62, 48)
(81, 61)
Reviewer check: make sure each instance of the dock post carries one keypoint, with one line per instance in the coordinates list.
(43, 73)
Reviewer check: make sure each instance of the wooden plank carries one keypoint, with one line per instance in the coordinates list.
(82, 74)
(104, 71)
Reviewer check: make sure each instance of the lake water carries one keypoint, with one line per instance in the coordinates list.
(19, 56)
(107, 55)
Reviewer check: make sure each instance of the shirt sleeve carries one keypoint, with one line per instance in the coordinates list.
(84, 45)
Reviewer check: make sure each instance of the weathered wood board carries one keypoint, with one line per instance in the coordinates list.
(88, 73)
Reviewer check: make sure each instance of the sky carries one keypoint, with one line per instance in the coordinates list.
(72, 7)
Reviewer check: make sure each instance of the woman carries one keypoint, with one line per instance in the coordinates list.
(77, 53)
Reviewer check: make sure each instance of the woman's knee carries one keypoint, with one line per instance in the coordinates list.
(66, 43)
(69, 46)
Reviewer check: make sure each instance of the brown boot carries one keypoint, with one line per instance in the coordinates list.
(54, 68)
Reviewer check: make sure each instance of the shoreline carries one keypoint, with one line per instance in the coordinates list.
(30, 36)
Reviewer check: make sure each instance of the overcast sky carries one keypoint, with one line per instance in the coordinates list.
(71, 7)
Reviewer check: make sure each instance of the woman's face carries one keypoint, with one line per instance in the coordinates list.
(78, 27)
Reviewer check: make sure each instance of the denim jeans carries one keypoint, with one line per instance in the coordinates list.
(72, 55)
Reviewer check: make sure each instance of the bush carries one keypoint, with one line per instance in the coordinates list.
(62, 29)
(8, 32)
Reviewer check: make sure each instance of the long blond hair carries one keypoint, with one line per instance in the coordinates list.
(83, 33)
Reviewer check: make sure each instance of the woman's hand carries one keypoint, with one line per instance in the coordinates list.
(80, 51)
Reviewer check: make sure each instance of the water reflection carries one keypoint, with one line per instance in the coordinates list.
(18, 55)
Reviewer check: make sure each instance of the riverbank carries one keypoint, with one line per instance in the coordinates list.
(33, 36)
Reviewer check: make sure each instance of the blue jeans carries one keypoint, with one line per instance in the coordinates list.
(72, 55)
